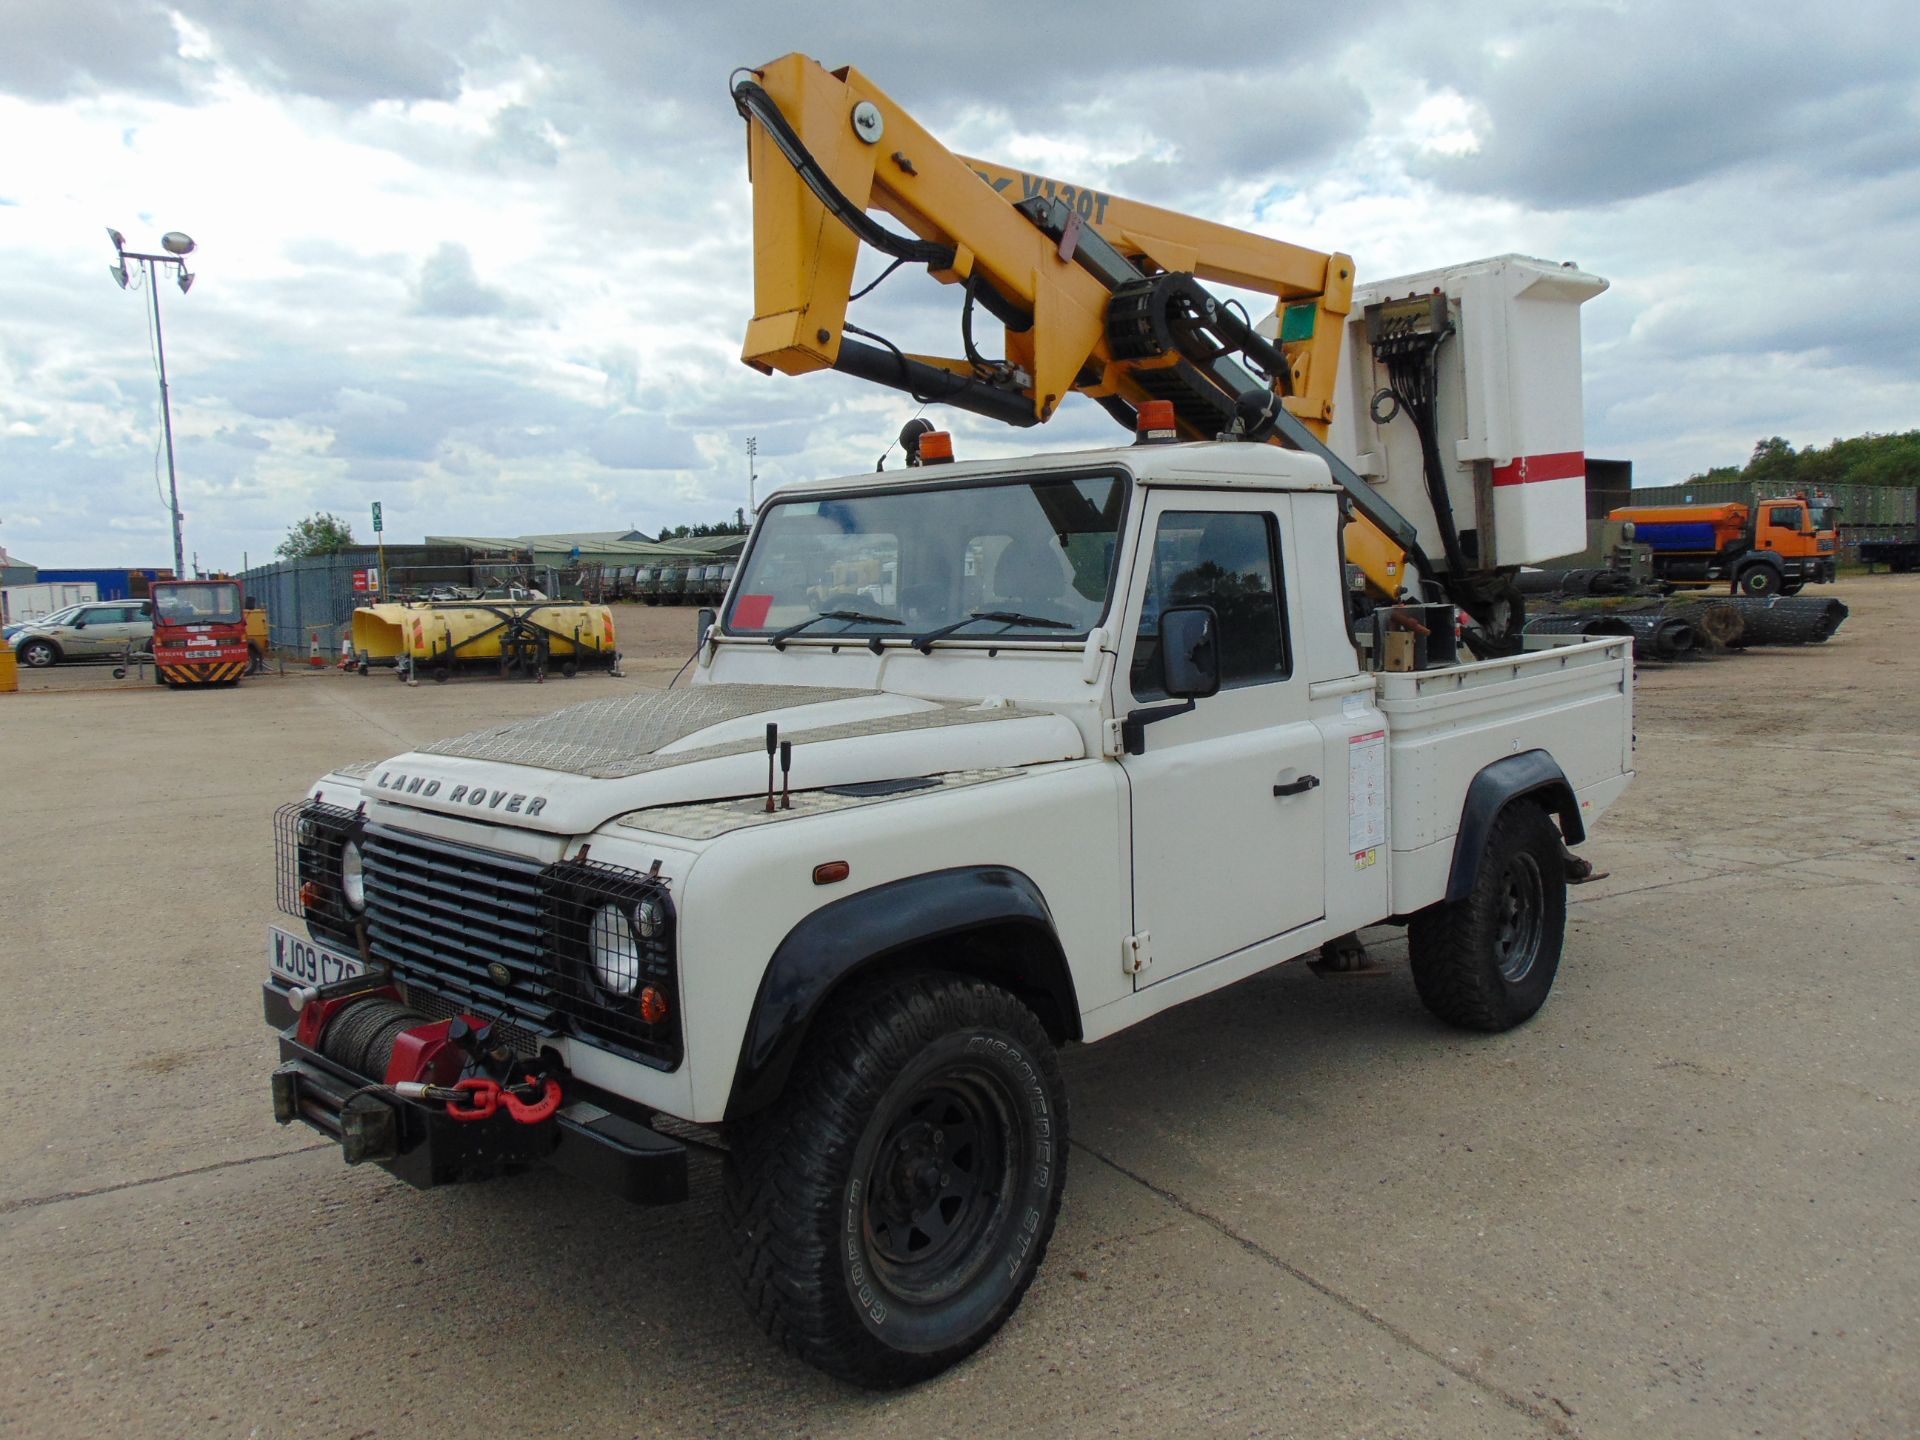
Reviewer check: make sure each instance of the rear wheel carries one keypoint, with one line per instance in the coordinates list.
(1487, 962)
(890, 1210)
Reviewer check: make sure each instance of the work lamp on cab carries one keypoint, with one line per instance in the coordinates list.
(614, 952)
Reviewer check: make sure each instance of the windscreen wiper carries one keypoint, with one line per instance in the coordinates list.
(924, 643)
(779, 638)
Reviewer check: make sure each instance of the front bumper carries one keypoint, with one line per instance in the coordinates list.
(425, 1147)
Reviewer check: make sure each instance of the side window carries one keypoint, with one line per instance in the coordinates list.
(1229, 560)
(1787, 517)
(106, 615)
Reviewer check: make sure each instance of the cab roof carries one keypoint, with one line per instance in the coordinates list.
(1199, 462)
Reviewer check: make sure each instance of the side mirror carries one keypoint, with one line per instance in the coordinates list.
(703, 622)
(1190, 652)
(79, 622)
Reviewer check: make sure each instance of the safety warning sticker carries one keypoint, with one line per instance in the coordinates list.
(1366, 792)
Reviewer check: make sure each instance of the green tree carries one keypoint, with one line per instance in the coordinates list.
(318, 534)
(1776, 468)
(736, 526)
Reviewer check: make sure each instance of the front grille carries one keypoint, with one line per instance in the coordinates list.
(518, 1039)
(444, 916)
(499, 937)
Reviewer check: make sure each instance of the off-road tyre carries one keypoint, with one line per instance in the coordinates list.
(38, 654)
(1487, 962)
(931, 1098)
(1758, 581)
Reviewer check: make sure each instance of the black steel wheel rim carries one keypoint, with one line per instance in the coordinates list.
(936, 1203)
(1519, 918)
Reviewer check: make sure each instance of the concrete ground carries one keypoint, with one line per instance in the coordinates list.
(1685, 1200)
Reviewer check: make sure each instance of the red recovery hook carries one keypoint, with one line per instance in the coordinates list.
(481, 1098)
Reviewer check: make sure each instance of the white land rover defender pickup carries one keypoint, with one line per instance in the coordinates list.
(978, 761)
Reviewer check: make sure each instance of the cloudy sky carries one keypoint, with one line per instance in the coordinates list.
(489, 263)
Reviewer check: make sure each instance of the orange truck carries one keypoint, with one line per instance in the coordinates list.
(1772, 547)
(199, 633)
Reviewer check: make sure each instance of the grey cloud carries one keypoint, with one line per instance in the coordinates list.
(346, 51)
(1881, 332)
(520, 134)
(62, 47)
(447, 286)
(235, 439)
(622, 367)
(1236, 127)
(1593, 105)
(369, 425)
(638, 441)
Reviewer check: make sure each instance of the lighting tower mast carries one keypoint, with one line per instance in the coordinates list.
(178, 246)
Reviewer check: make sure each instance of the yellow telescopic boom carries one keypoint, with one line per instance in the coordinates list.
(1096, 293)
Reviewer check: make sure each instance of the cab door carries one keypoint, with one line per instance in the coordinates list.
(1788, 532)
(1227, 800)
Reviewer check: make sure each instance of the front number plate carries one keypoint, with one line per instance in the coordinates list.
(304, 962)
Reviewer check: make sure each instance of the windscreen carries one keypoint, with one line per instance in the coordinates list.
(905, 562)
(197, 604)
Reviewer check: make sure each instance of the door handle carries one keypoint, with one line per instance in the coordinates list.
(1298, 787)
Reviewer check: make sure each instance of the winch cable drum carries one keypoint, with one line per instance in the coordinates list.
(362, 1036)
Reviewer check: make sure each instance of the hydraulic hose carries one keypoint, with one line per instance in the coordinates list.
(754, 103)
(1412, 375)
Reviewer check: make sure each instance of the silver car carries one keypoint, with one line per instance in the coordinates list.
(95, 630)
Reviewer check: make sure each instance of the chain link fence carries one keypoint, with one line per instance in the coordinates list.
(314, 599)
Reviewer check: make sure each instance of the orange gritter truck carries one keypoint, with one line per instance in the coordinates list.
(1772, 547)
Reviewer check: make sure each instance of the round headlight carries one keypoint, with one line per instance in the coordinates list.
(613, 950)
(652, 916)
(353, 877)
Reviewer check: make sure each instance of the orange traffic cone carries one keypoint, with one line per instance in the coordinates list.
(313, 650)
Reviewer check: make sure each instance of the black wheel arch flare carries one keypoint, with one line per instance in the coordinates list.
(1532, 773)
(989, 921)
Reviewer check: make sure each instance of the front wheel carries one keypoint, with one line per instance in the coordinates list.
(1487, 962)
(888, 1212)
(39, 654)
(1758, 582)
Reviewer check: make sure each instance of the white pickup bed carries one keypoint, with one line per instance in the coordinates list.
(1445, 726)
